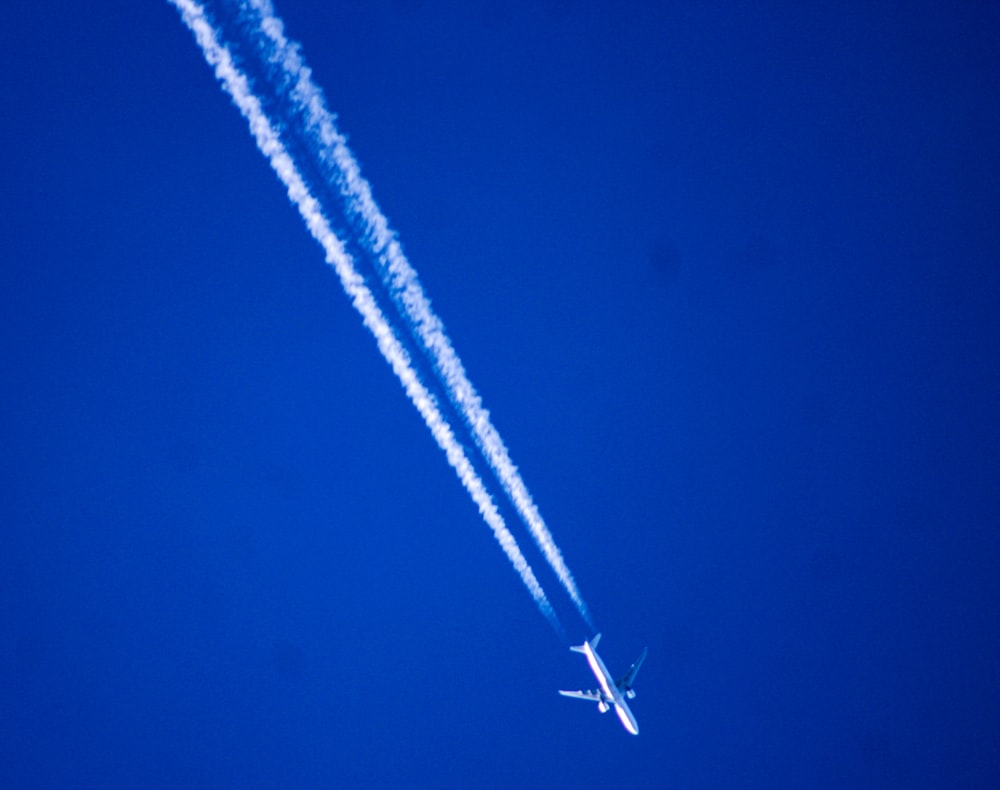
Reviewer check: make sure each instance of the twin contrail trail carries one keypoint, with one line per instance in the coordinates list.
(372, 230)
(398, 275)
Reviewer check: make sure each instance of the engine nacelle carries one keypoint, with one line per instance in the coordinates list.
(630, 693)
(602, 706)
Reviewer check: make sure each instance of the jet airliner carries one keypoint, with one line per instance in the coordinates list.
(610, 694)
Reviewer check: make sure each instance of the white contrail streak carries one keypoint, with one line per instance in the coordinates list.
(399, 276)
(235, 82)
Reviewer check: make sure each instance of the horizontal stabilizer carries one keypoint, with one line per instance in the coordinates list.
(582, 648)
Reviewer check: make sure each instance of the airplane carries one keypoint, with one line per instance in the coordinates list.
(610, 694)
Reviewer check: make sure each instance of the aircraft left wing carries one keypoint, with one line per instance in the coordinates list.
(593, 696)
(625, 684)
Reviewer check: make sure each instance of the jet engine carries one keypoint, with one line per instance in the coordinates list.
(602, 706)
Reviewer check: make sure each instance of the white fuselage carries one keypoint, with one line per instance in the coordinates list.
(611, 692)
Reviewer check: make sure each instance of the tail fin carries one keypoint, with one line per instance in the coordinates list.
(583, 648)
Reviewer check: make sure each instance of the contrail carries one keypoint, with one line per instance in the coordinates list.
(397, 274)
(236, 84)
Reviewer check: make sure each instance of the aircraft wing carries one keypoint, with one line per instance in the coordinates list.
(593, 696)
(629, 677)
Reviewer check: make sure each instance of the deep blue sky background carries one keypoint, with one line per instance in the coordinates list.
(726, 277)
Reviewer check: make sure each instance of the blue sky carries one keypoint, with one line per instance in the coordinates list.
(726, 278)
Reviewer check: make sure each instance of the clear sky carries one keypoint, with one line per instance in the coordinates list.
(726, 276)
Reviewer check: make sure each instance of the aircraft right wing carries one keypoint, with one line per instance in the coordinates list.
(593, 696)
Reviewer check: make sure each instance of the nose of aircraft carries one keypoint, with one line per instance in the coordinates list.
(628, 720)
